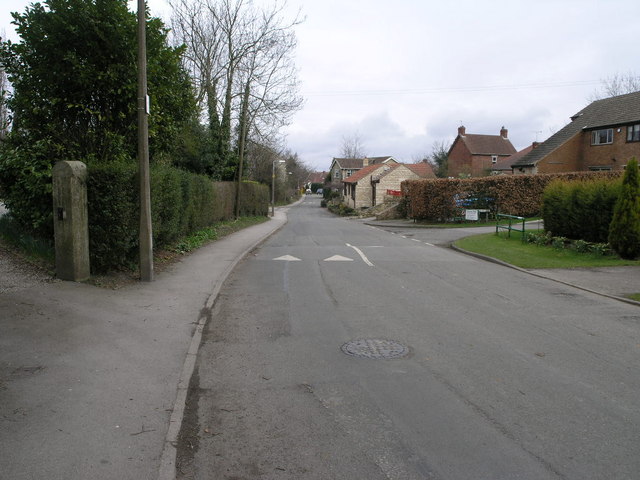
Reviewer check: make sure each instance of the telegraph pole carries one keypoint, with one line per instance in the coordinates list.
(145, 238)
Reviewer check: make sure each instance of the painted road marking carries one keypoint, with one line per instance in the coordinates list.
(288, 258)
(362, 255)
(338, 258)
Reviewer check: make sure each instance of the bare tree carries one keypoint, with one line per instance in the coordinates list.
(4, 96)
(352, 147)
(617, 84)
(242, 59)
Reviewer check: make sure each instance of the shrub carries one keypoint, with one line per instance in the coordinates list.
(434, 199)
(580, 209)
(624, 231)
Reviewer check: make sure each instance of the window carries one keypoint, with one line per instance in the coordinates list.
(633, 133)
(494, 159)
(600, 168)
(602, 137)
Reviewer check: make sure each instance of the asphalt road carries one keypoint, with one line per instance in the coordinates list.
(505, 376)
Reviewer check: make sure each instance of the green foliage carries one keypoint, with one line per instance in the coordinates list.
(624, 231)
(25, 182)
(580, 209)
(112, 195)
(181, 203)
(435, 199)
(74, 97)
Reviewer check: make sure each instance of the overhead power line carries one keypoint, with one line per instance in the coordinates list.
(476, 88)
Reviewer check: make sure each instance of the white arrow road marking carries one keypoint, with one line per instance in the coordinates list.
(288, 258)
(338, 258)
(362, 255)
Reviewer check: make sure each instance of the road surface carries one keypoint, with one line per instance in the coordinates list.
(498, 374)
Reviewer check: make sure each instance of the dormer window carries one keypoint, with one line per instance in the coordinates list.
(602, 137)
(633, 133)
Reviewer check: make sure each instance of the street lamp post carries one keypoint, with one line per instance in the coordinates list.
(273, 185)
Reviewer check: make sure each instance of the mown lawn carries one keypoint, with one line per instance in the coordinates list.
(525, 255)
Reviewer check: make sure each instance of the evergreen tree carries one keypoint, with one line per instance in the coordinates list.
(74, 79)
(624, 231)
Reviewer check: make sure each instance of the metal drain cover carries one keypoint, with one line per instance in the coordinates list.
(375, 348)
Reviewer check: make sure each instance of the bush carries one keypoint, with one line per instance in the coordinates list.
(181, 203)
(434, 199)
(624, 231)
(580, 209)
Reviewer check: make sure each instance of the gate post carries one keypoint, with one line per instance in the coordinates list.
(71, 220)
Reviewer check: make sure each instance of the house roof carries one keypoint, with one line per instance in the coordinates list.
(608, 112)
(486, 144)
(363, 172)
(355, 163)
(505, 163)
(422, 169)
(316, 177)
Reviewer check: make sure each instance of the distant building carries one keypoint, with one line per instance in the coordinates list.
(370, 185)
(474, 155)
(342, 168)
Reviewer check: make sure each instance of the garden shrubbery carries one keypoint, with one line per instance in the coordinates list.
(441, 199)
(580, 209)
(181, 203)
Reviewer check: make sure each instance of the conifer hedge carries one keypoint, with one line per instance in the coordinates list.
(624, 231)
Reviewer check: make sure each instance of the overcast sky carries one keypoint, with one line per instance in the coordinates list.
(403, 74)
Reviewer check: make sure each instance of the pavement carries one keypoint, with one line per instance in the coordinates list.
(93, 381)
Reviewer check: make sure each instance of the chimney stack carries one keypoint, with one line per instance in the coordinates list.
(365, 162)
(534, 145)
(504, 132)
(461, 130)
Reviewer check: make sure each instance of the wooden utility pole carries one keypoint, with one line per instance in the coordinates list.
(145, 238)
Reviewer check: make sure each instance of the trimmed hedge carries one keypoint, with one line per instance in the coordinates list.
(580, 209)
(443, 199)
(181, 203)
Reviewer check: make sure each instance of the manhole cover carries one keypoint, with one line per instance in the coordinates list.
(375, 348)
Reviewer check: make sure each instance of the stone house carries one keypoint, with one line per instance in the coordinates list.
(369, 186)
(474, 155)
(342, 168)
(602, 136)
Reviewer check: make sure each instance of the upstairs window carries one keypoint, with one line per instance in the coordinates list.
(494, 159)
(602, 137)
(633, 133)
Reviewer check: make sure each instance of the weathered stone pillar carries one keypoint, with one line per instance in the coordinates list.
(71, 220)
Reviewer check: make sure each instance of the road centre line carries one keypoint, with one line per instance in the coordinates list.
(362, 255)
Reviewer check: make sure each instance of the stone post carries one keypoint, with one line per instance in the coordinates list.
(71, 220)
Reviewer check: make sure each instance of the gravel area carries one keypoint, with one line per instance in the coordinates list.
(17, 274)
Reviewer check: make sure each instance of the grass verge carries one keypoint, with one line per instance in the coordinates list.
(525, 255)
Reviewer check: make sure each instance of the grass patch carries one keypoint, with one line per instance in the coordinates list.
(525, 255)
(634, 296)
(214, 232)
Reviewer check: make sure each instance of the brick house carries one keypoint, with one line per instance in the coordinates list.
(602, 136)
(503, 166)
(474, 155)
(368, 186)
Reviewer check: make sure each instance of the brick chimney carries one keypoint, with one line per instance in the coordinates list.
(534, 145)
(504, 132)
(461, 130)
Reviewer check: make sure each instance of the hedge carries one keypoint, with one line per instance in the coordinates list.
(443, 199)
(181, 203)
(580, 209)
